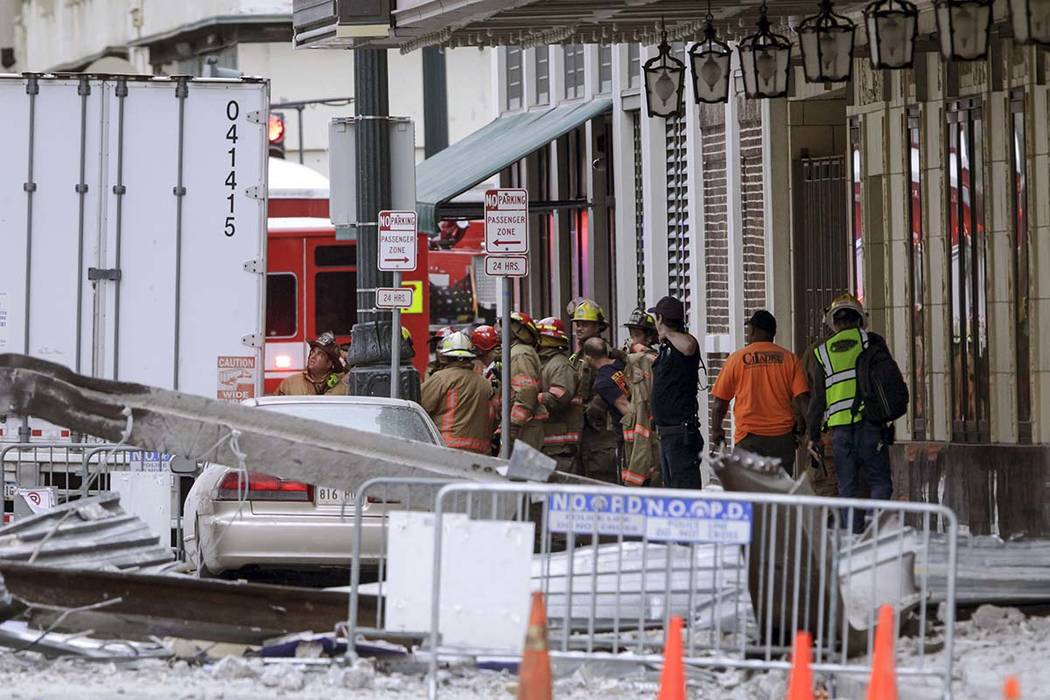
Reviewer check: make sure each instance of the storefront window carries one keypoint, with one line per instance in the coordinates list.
(968, 273)
(917, 263)
(1022, 276)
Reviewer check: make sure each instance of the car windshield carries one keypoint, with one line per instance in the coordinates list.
(399, 421)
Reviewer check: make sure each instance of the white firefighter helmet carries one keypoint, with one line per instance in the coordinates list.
(457, 345)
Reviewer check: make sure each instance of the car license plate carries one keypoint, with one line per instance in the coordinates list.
(324, 496)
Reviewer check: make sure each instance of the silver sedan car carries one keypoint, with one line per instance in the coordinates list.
(271, 523)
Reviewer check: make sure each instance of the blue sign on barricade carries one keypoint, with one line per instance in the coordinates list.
(666, 518)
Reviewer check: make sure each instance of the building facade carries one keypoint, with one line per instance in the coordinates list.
(925, 192)
(159, 37)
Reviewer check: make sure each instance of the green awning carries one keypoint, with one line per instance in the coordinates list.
(492, 148)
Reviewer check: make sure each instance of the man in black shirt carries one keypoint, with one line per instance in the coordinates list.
(674, 400)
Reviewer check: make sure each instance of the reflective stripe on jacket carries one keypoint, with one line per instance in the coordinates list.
(642, 458)
(457, 398)
(524, 384)
(838, 358)
(558, 384)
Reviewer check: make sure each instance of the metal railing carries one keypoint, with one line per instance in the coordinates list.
(745, 571)
(39, 464)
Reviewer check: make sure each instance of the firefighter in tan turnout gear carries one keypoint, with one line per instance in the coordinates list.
(527, 415)
(597, 452)
(457, 397)
(641, 446)
(561, 434)
(324, 374)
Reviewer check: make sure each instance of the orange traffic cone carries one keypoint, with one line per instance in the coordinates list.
(672, 678)
(883, 683)
(1012, 689)
(534, 674)
(800, 685)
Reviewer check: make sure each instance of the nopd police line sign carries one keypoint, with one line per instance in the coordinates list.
(664, 518)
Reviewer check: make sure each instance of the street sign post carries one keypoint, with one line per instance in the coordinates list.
(397, 254)
(506, 245)
(507, 265)
(393, 297)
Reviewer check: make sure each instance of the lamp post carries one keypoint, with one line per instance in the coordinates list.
(826, 40)
(664, 82)
(892, 26)
(711, 60)
(765, 59)
(1031, 21)
(963, 27)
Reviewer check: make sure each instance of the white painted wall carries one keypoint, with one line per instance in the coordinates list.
(52, 33)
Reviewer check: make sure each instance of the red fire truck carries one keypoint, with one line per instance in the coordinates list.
(311, 278)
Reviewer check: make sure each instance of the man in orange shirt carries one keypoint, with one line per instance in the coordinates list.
(771, 394)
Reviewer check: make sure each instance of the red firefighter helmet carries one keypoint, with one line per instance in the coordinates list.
(485, 338)
(440, 334)
(552, 332)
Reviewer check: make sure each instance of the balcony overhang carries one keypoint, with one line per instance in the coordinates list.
(415, 24)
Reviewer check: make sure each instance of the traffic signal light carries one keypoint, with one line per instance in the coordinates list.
(275, 134)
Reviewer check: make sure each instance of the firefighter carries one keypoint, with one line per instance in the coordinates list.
(324, 373)
(561, 432)
(457, 397)
(597, 453)
(641, 447)
(526, 413)
(436, 360)
(487, 347)
(486, 342)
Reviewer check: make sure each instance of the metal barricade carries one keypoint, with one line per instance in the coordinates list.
(616, 563)
(40, 464)
(372, 503)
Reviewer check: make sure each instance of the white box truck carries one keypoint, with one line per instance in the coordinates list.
(133, 231)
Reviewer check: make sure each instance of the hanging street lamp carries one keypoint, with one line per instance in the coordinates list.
(711, 60)
(964, 27)
(827, 46)
(892, 26)
(765, 60)
(664, 82)
(1031, 21)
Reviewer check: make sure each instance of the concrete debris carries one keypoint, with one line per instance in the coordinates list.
(290, 679)
(233, 667)
(719, 596)
(360, 676)
(991, 618)
(91, 533)
(138, 605)
(18, 635)
(991, 570)
(199, 428)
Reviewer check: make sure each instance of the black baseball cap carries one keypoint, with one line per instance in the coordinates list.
(762, 320)
(670, 309)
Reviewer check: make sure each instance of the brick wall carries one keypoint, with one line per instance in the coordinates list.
(715, 361)
(716, 224)
(752, 206)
